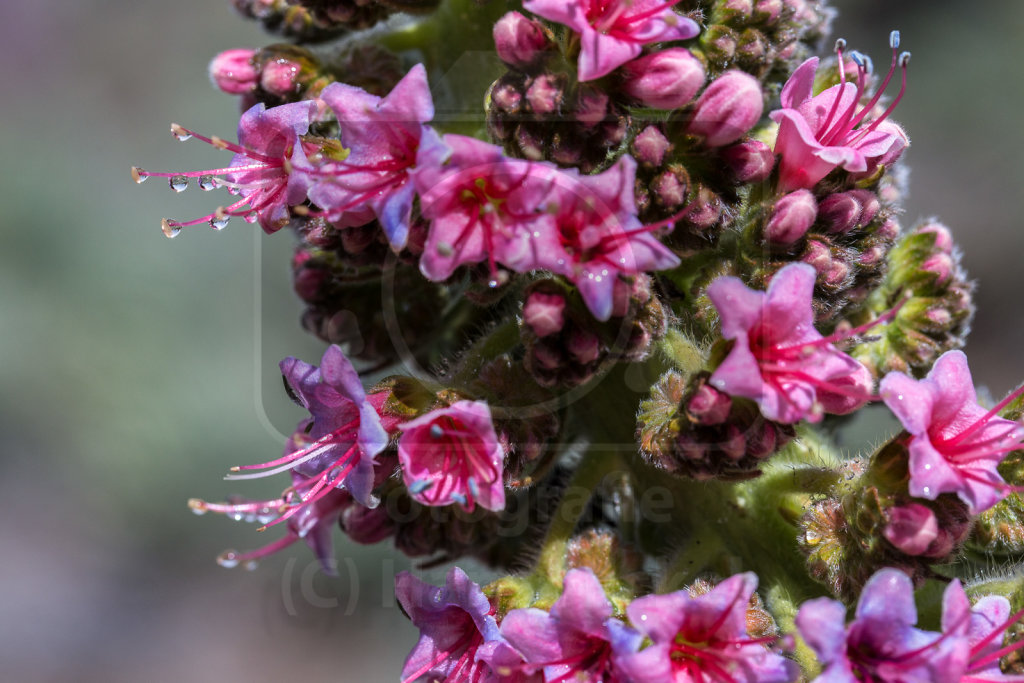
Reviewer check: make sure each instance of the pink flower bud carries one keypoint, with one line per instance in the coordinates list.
(709, 405)
(791, 217)
(768, 11)
(280, 77)
(584, 345)
(734, 445)
(727, 108)
(545, 94)
(664, 80)
(943, 237)
(870, 206)
(817, 255)
(544, 313)
(591, 107)
(669, 189)
(911, 528)
(650, 146)
(840, 212)
(233, 71)
(518, 40)
(751, 161)
(941, 265)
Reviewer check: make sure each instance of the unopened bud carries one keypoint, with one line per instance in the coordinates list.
(519, 41)
(791, 218)
(911, 528)
(941, 265)
(751, 161)
(650, 146)
(584, 345)
(664, 80)
(840, 212)
(544, 313)
(545, 94)
(234, 71)
(281, 77)
(709, 406)
(943, 237)
(727, 108)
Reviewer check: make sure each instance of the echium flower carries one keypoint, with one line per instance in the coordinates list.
(778, 358)
(345, 433)
(482, 206)
(599, 235)
(882, 644)
(955, 444)
(578, 639)
(458, 632)
(612, 32)
(984, 626)
(703, 638)
(819, 133)
(270, 169)
(452, 455)
(382, 137)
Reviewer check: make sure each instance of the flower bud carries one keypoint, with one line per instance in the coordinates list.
(650, 146)
(791, 217)
(545, 94)
(518, 40)
(943, 237)
(591, 106)
(941, 265)
(234, 71)
(840, 212)
(750, 161)
(280, 77)
(709, 405)
(584, 345)
(727, 108)
(544, 313)
(664, 80)
(768, 11)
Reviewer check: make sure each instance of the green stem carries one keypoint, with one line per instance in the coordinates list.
(590, 473)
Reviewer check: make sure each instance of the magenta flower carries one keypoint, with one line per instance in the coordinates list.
(820, 133)
(313, 522)
(881, 644)
(383, 136)
(984, 626)
(482, 206)
(599, 236)
(578, 638)
(452, 455)
(612, 32)
(702, 638)
(778, 358)
(345, 434)
(458, 632)
(270, 169)
(955, 444)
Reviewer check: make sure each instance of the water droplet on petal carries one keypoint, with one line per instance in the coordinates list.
(927, 490)
(170, 228)
(207, 182)
(812, 537)
(899, 397)
(178, 183)
(228, 559)
(927, 467)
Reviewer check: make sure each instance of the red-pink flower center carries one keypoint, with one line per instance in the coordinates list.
(458, 461)
(612, 17)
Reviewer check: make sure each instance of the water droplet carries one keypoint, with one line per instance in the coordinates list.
(812, 537)
(251, 565)
(250, 217)
(927, 466)
(207, 182)
(178, 183)
(899, 397)
(219, 222)
(138, 175)
(236, 516)
(170, 228)
(228, 559)
(643, 617)
(436, 431)
(179, 132)
(927, 490)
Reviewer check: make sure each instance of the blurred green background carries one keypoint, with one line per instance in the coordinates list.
(132, 367)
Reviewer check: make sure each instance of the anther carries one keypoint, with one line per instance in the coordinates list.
(180, 132)
(840, 44)
(904, 59)
(894, 40)
(138, 175)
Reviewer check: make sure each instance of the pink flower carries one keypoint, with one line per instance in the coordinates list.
(955, 444)
(702, 638)
(482, 206)
(820, 133)
(984, 625)
(383, 136)
(599, 236)
(612, 32)
(778, 358)
(270, 169)
(452, 455)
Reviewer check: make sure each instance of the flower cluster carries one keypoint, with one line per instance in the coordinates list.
(643, 289)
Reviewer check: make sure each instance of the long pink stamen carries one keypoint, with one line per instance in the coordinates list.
(841, 126)
(983, 420)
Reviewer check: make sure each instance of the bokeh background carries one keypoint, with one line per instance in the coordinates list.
(132, 369)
